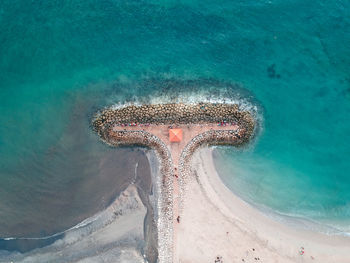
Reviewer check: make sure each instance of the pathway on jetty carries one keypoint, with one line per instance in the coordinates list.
(201, 124)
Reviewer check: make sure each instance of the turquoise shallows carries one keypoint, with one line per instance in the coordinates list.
(60, 59)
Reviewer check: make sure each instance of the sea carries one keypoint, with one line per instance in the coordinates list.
(63, 61)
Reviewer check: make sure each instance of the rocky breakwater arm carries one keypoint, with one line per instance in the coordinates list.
(171, 113)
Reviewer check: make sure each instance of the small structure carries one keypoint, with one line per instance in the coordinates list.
(175, 135)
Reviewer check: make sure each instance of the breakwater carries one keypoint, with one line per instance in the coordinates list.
(147, 126)
(174, 114)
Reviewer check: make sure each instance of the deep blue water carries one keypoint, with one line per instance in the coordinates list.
(62, 60)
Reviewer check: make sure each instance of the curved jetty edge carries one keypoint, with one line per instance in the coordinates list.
(174, 131)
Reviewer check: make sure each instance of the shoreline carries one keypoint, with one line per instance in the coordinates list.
(116, 232)
(242, 226)
(294, 221)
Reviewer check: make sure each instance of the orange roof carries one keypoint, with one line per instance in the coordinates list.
(175, 135)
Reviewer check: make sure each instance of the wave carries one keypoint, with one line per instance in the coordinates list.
(174, 90)
(84, 223)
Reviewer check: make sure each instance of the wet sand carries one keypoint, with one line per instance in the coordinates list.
(113, 235)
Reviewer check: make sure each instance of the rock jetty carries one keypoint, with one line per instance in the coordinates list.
(147, 125)
(174, 114)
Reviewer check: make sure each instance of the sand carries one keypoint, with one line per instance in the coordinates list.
(217, 225)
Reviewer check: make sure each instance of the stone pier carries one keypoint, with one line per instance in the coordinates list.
(149, 125)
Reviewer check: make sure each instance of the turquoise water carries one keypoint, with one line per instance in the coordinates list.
(62, 60)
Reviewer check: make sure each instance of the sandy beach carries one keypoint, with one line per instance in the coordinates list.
(217, 226)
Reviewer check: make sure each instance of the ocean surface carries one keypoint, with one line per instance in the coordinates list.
(61, 61)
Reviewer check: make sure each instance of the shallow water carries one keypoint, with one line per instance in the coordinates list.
(61, 61)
